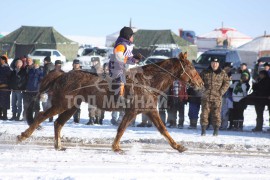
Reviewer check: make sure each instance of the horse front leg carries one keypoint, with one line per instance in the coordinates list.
(128, 117)
(58, 125)
(155, 118)
(42, 116)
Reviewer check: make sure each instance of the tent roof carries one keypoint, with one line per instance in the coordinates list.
(1, 35)
(261, 43)
(36, 35)
(225, 33)
(146, 38)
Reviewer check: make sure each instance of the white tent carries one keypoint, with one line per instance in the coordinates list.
(110, 39)
(216, 38)
(89, 40)
(260, 45)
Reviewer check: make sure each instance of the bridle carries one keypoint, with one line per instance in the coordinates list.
(191, 79)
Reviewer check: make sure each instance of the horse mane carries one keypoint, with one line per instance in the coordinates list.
(88, 72)
(49, 80)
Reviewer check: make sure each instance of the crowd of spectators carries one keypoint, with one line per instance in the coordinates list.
(222, 102)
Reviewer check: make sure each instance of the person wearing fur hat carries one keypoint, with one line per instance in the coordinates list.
(216, 83)
(120, 60)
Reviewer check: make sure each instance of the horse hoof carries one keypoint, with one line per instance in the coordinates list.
(60, 149)
(181, 149)
(20, 138)
(119, 151)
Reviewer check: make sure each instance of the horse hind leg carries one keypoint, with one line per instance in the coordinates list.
(58, 125)
(42, 116)
(155, 118)
(128, 117)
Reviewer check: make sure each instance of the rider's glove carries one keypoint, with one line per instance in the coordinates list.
(138, 56)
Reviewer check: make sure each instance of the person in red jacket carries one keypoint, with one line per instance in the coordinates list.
(176, 103)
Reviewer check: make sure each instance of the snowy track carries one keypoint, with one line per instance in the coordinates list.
(147, 155)
(35, 159)
(157, 147)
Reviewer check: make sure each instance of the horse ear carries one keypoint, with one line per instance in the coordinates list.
(181, 56)
(185, 55)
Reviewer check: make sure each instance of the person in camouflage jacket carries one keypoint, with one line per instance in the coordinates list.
(216, 83)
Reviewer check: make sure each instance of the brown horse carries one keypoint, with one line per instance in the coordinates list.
(147, 84)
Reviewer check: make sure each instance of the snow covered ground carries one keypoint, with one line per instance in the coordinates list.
(231, 155)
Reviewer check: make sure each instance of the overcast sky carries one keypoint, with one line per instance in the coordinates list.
(103, 17)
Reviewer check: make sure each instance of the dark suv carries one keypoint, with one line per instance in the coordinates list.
(224, 55)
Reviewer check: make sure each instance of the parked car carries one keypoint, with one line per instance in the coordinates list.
(104, 52)
(224, 55)
(40, 54)
(150, 60)
(161, 53)
(167, 50)
(263, 60)
(153, 59)
(91, 54)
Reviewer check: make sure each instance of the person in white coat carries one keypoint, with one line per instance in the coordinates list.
(240, 89)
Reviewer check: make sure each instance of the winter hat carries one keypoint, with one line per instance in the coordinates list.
(4, 57)
(126, 33)
(244, 74)
(76, 61)
(214, 59)
(243, 64)
(266, 64)
(57, 62)
(37, 61)
(47, 58)
(264, 72)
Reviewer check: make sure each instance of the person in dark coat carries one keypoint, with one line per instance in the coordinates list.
(34, 76)
(17, 85)
(29, 65)
(255, 74)
(48, 69)
(194, 99)
(76, 67)
(48, 65)
(261, 92)
(5, 73)
(267, 68)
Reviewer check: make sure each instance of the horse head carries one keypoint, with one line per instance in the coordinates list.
(188, 73)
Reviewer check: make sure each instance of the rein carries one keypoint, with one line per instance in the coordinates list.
(184, 71)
